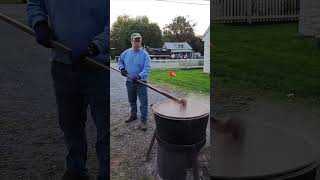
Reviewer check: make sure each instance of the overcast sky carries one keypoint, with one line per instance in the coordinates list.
(163, 11)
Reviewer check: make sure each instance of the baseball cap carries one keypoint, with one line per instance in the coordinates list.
(135, 35)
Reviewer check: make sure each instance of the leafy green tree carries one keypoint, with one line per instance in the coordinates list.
(124, 26)
(181, 29)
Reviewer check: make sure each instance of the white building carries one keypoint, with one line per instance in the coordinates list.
(206, 39)
(309, 23)
(179, 50)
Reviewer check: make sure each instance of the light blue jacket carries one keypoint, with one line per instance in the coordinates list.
(75, 23)
(136, 63)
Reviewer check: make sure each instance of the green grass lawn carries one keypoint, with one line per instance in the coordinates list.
(185, 80)
(266, 58)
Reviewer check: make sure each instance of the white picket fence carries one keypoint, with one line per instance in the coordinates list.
(177, 64)
(248, 11)
(174, 64)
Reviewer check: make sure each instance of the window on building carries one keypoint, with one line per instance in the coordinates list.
(180, 46)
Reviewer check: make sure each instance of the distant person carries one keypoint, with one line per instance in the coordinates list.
(135, 62)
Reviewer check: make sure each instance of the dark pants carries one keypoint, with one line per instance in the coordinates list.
(138, 90)
(75, 88)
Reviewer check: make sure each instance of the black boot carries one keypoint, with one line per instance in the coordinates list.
(131, 119)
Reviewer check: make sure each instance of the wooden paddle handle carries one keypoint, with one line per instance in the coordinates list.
(56, 44)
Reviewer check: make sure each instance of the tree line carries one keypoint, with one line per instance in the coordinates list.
(179, 30)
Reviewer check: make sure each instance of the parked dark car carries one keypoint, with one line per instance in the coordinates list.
(159, 53)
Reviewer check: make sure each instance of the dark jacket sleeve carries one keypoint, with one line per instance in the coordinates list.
(37, 11)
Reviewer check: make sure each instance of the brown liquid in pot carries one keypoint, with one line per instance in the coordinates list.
(193, 108)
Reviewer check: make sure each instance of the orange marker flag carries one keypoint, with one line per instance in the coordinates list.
(171, 73)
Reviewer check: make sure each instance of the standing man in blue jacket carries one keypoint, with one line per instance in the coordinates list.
(135, 62)
(83, 26)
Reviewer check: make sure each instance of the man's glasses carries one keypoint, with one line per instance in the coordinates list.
(137, 40)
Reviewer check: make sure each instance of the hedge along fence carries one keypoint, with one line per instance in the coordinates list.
(248, 11)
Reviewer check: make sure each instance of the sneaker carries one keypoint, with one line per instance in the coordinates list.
(73, 176)
(131, 119)
(143, 126)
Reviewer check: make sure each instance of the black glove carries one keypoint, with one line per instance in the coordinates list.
(43, 33)
(135, 78)
(93, 50)
(79, 55)
(124, 72)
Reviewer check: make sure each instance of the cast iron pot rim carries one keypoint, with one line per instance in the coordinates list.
(176, 118)
(277, 176)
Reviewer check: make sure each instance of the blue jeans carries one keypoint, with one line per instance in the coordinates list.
(138, 90)
(76, 88)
